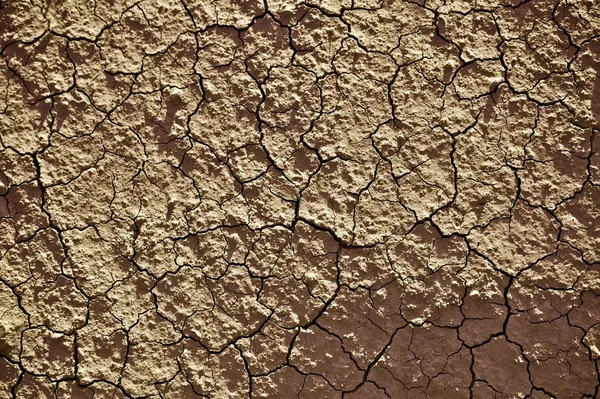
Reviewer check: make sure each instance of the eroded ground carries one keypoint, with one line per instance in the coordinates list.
(284, 199)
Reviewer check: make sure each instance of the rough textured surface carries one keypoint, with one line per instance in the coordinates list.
(300, 199)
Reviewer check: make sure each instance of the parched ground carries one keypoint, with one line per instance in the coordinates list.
(358, 199)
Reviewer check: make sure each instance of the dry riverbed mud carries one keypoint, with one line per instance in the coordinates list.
(300, 199)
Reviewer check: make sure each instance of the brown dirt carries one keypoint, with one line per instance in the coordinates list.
(300, 199)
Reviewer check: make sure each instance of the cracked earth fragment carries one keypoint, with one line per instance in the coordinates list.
(300, 199)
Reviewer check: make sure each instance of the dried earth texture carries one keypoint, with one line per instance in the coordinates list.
(316, 199)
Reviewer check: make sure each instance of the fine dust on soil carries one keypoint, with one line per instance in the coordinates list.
(300, 199)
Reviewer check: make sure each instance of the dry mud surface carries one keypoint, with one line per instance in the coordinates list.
(300, 199)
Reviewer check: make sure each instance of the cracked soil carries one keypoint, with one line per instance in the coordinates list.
(311, 199)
